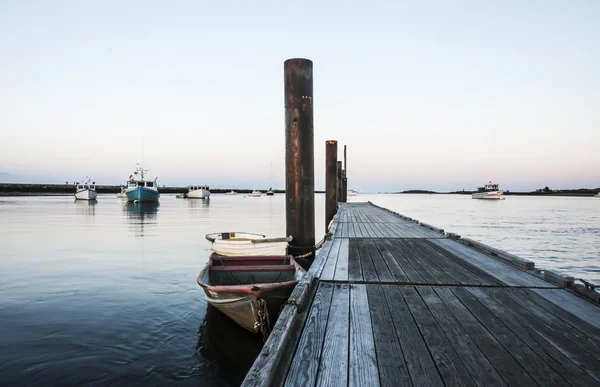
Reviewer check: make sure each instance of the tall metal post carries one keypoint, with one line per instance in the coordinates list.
(299, 155)
(331, 152)
(339, 181)
(345, 178)
(344, 187)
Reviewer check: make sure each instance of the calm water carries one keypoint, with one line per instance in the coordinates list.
(106, 292)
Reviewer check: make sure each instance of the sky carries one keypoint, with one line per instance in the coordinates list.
(440, 95)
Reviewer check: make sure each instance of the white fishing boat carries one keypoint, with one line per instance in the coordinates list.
(490, 191)
(255, 194)
(86, 191)
(122, 194)
(270, 192)
(250, 290)
(198, 192)
(351, 192)
(247, 244)
(231, 193)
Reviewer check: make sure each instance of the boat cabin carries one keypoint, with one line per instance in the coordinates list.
(86, 186)
(489, 187)
(198, 187)
(135, 183)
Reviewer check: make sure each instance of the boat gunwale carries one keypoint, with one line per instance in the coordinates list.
(254, 289)
(214, 236)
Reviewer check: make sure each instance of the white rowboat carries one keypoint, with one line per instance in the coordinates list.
(247, 244)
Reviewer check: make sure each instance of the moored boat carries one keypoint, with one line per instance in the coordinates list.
(231, 193)
(86, 191)
(250, 290)
(598, 195)
(141, 190)
(198, 192)
(351, 192)
(122, 194)
(270, 192)
(255, 194)
(490, 191)
(247, 244)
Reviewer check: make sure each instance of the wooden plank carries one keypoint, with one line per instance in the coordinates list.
(363, 358)
(346, 232)
(535, 366)
(411, 272)
(458, 273)
(341, 270)
(351, 233)
(329, 268)
(561, 322)
(354, 268)
(449, 364)
(396, 271)
(442, 277)
(363, 230)
(504, 273)
(304, 367)
(555, 359)
(420, 364)
(560, 309)
(485, 276)
(368, 269)
(383, 272)
(523, 321)
(579, 307)
(512, 373)
(390, 358)
(333, 368)
(409, 255)
(480, 369)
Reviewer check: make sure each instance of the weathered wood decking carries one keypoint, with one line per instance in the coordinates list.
(393, 303)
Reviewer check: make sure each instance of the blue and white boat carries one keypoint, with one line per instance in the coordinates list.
(141, 190)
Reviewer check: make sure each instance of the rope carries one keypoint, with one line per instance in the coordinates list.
(587, 284)
(263, 319)
(316, 247)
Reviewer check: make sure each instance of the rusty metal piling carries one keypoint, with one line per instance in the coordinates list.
(299, 155)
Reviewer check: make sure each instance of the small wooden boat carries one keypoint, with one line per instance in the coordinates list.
(250, 290)
(247, 244)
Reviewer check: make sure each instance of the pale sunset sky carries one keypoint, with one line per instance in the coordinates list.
(439, 95)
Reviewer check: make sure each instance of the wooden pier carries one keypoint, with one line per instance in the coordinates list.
(390, 301)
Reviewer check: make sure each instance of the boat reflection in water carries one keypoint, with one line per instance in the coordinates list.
(85, 207)
(141, 216)
(227, 346)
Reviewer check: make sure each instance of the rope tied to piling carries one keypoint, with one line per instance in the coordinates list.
(315, 247)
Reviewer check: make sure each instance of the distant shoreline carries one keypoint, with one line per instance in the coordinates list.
(583, 192)
(17, 189)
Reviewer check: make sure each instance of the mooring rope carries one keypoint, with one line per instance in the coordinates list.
(316, 247)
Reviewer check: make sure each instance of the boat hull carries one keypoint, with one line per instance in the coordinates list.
(243, 308)
(199, 194)
(496, 195)
(142, 194)
(86, 194)
(247, 289)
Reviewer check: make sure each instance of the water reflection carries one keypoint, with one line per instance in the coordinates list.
(198, 203)
(141, 216)
(231, 348)
(85, 207)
